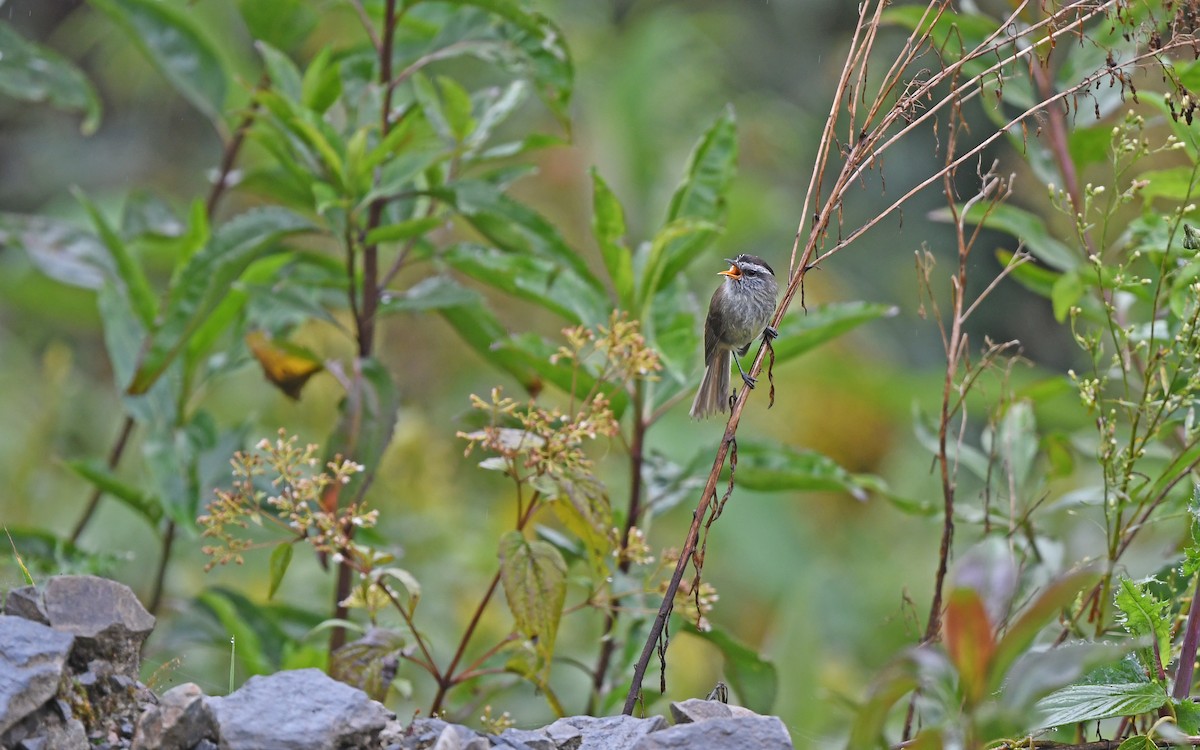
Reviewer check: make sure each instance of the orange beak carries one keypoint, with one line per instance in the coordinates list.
(734, 272)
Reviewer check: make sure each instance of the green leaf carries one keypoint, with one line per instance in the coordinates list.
(608, 226)
(59, 249)
(404, 230)
(1089, 145)
(147, 506)
(700, 197)
(281, 558)
(1025, 226)
(1142, 614)
(538, 280)
(322, 82)
(205, 281)
(800, 333)
(30, 72)
(684, 237)
(431, 293)
(771, 467)
(672, 330)
(479, 328)
(282, 71)
(535, 585)
(282, 23)
(494, 106)
(171, 40)
(230, 610)
(456, 105)
(1187, 716)
(1035, 278)
(129, 271)
(1176, 184)
(1066, 291)
(512, 226)
(544, 56)
(1138, 742)
(1079, 703)
(753, 678)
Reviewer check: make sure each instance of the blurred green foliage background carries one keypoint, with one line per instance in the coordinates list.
(825, 586)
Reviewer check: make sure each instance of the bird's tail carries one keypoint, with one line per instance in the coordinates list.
(714, 387)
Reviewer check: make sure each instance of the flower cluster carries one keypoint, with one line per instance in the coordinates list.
(300, 498)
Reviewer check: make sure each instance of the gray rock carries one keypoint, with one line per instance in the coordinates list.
(180, 721)
(26, 602)
(46, 729)
(743, 733)
(32, 659)
(601, 733)
(105, 617)
(301, 710)
(456, 737)
(527, 738)
(698, 709)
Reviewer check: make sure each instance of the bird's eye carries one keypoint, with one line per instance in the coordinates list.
(749, 272)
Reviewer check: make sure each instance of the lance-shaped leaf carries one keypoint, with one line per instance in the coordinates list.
(32, 73)
(1024, 225)
(538, 280)
(1042, 611)
(512, 226)
(801, 333)
(608, 226)
(205, 281)
(129, 271)
(62, 250)
(769, 467)
(171, 40)
(145, 505)
(969, 641)
(535, 584)
(700, 198)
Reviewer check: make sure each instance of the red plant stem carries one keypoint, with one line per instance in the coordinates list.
(448, 679)
(365, 314)
(1187, 654)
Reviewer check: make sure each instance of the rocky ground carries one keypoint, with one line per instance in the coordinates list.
(69, 665)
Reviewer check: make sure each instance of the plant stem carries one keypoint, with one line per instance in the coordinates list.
(608, 643)
(114, 458)
(1187, 654)
(160, 576)
(448, 679)
(366, 311)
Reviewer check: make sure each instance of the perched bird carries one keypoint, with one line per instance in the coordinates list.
(737, 315)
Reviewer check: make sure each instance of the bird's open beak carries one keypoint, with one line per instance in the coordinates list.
(734, 272)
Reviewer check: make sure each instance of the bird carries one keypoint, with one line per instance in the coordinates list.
(738, 313)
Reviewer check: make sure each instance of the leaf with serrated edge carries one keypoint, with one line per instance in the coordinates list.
(535, 585)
